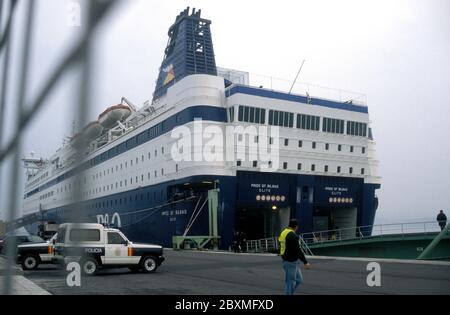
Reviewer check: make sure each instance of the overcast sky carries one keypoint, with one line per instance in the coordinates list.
(395, 52)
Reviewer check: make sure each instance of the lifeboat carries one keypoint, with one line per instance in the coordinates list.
(76, 140)
(113, 114)
(92, 131)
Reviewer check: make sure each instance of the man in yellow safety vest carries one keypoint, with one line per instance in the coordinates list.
(291, 253)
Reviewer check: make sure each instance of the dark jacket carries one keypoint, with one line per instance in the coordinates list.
(293, 251)
(442, 218)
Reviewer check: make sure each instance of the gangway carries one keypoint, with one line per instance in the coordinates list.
(417, 240)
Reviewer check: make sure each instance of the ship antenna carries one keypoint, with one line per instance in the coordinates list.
(74, 122)
(300, 70)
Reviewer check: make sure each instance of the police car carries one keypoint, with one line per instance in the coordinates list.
(31, 255)
(95, 246)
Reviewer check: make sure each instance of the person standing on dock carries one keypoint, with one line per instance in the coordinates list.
(291, 253)
(442, 219)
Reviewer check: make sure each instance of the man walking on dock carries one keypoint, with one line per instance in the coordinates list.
(291, 253)
(442, 219)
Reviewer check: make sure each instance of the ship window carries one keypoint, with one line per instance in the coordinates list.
(339, 147)
(162, 150)
(285, 165)
(257, 115)
(314, 145)
(156, 153)
(331, 125)
(352, 149)
(176, 167)
(338, 169)
(241, 113)
(356, 129)
(239, 163)
(351, 170)
(363, 150)
(299, 166)
(326, 168)
(327, 146)
(286, 142)
(142, 178)
(313, 167)
(149, 155)
(162, 171)
(362, 171)
(142, 158)
(156, 175)
(255, 163)
(252, 114)
(300, 143)
(246, 113)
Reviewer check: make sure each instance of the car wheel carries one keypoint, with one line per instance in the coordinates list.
(30, 262)
(89, 266)
(148, 264)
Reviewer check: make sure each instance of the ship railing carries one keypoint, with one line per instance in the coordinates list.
(262, 245)
(364, 232)
(271, 245)
(300, 88)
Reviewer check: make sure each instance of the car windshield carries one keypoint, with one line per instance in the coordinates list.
(35, 239)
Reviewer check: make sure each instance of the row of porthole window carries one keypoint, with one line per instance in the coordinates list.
(117, 185)
(313, 168)
(121, 166)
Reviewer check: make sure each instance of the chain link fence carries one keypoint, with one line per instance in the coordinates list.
(18, 25)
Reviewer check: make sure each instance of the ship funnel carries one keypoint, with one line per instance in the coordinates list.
(189, 51)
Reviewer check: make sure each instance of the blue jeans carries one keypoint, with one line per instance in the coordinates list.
(293, 276)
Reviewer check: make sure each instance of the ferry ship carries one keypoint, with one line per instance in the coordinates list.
(120, 168)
